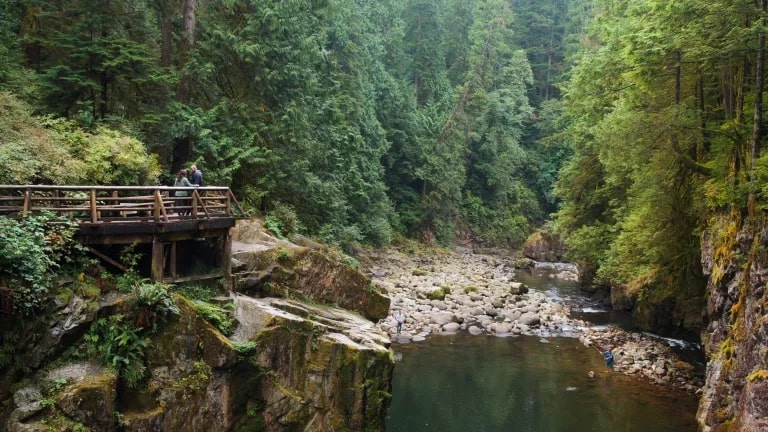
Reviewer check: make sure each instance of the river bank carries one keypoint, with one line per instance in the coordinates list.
(442, 292)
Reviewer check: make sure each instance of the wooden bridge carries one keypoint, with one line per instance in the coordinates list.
(183, 238)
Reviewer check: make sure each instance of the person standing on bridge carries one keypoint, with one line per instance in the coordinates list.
(196, 176)
(184, 204)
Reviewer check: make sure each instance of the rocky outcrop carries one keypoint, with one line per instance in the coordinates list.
(273, 268)
(304, 367)
(324, 368)
(289, 365)
(544, 246)
(735, 397)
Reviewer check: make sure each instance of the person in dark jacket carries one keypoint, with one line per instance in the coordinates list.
(608, 354)
(196, 176)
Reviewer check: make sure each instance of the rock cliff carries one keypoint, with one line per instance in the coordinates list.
(735, 396)
(300, 363)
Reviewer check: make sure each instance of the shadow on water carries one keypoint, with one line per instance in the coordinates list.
(482, 383)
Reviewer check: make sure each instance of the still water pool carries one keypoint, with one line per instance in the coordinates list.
(464, 383)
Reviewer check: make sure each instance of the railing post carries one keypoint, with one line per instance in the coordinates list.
(195, 197)
(157, 206)
(94, 213)
(228, 208)
(27, 201)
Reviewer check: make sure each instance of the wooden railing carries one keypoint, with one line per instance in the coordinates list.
(104, 204)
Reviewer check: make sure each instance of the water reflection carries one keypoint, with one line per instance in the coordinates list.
(481, 383)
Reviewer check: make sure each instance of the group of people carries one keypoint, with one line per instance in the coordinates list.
(195, 179)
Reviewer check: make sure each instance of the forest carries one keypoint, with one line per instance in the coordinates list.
(627, 127)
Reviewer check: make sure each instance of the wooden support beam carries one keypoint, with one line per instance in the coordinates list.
(107, 259)
(158, 260)
(226, 260)
(174, 273)
(193, 278)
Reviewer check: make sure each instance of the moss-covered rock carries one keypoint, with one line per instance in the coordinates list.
(317, 368)
(544, 246)
(291, 271)
(91, 401)
(735, 397)
(290, 365)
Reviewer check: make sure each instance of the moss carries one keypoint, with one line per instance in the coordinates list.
(198, 379)
(761, 374)
(470, 289)
(419, 272)
(439, 294)
(64, 296)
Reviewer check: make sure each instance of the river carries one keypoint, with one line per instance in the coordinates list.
(464, 383)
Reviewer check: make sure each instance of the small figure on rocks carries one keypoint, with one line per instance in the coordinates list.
(608, 354)
(400, 318)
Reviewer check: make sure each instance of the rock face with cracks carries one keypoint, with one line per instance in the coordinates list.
(735, 397)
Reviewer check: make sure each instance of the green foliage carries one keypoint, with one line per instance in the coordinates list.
(351, 261)
(285, 220)
(440, 293)
(357, 122)
(118, 344)
(197, 291)
(56, 151)
(8, 339)
(153, 305)
(50, 398)
(272, 224)
(31, 250)
(220, 317)
(284, 256)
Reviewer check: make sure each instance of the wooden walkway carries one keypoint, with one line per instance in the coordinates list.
(123, 215)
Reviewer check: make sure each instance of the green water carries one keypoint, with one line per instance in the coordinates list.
(465, 383)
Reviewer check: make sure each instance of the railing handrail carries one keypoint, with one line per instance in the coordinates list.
(112, 188)
(158, 201)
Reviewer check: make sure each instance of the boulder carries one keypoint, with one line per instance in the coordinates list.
(291, 271)
(442, 318)
(451, 327)
(529, 319)
(544, 246)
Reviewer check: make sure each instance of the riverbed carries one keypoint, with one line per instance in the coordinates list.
(462, 382)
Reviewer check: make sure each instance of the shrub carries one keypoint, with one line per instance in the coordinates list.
(30, 251)
(118, 344)
(56, 151)
(219, 317)
(197, 291)
(440, 293)
(283, 221)
(153, 304)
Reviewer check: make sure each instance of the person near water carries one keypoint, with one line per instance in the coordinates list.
(195, 176)
(400, 318)
(608, 355)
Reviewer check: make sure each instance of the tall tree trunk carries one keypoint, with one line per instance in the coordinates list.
(187, 42)
(165, 10)
(757, 125)
(702, 115)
